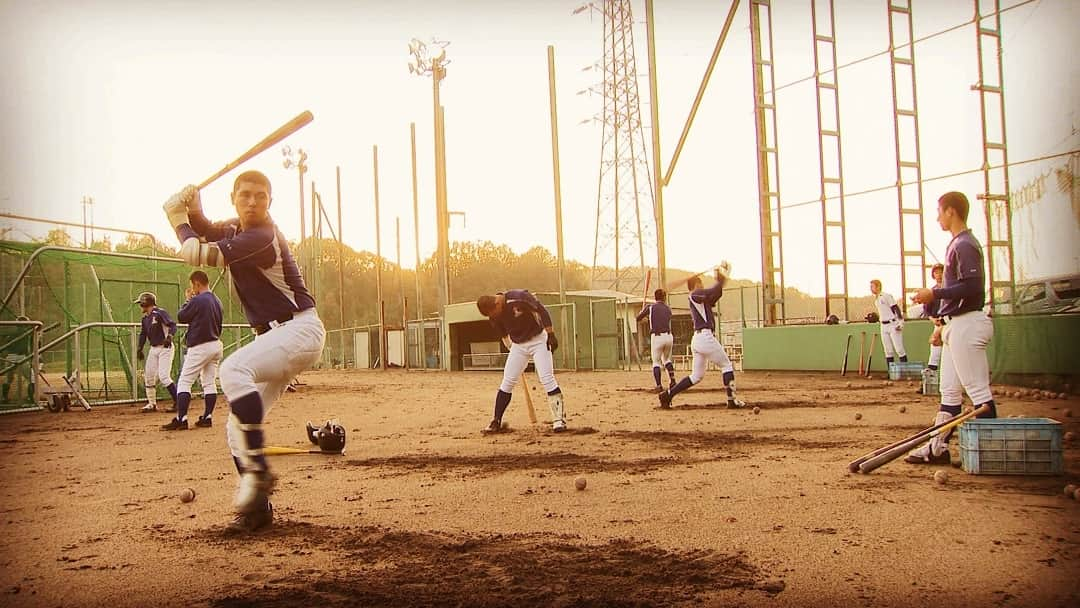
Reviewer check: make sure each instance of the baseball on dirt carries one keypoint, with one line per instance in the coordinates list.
(849, 385)
(580, 483)
(1070, 490)
(858, 416)
(903, 408)
(187, 495)
(1069, 436)
(757, 410)
(941, 476)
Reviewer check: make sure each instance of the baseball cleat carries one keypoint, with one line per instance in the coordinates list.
(175, 425)
(658, 388)
(204, 423)
(149, 407)
(246, 523)
(558, 426)
(254, 491)
(665, 400)
(735, 404)
(494, 426)
(924, 456)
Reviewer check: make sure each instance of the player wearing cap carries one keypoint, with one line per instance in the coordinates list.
(660, 340)
(158, 329)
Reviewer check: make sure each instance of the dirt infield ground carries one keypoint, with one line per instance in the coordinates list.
(696, 506)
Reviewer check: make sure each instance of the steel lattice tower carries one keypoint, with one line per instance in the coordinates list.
(625, 184)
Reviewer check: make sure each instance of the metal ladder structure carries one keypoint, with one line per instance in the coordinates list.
(995, 195)
(830, 160)
(909, 193)
(768, 161)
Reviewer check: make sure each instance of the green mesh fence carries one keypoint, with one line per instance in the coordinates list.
(65, 288)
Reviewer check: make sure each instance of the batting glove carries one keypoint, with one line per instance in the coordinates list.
(176, 210)
(192, 201)
(552, 342)
(168, 342)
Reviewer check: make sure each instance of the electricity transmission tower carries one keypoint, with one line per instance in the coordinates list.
(625, 185)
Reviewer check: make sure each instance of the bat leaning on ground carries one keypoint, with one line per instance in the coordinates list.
(273, 450)
(901, 449)
(847, 347)
(853, 466)
(285, 130)
(528, 398)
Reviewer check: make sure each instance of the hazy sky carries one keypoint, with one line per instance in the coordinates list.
(129, 101)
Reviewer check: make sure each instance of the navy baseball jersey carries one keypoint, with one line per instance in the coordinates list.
(203, 315)
(265, 275)
(659, 317)
(701, 306)
(964, 277)
(522, 317)
(155, 326)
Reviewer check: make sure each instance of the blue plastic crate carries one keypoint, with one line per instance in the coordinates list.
(905, 370)
(1012, 446)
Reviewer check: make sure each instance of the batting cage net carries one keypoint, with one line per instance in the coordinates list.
(83, 300)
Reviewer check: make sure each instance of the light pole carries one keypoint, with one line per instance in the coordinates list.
(88, 201)
(299, 160)
(430, 58)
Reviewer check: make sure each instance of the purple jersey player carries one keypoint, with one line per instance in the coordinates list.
(279, 308)
(661, 341)
(158, 329)
(202, 313)
(967, 330)
(705, 346)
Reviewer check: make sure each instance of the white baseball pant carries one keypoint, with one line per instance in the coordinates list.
(935, 355)
(892, 339)
(267, 365)
(964, 366)
(518, 360)
(202, 361)
(661, 349)
(158, 366)
(707, 348)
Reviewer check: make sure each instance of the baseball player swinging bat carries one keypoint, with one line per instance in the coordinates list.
(910, 444)
(723, 268)
(285, 130)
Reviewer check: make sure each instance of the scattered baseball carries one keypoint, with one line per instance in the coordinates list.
(869, 377)
(1038, 396)
(757, 410)
(858, 416)
(1016, 394)
(849, 385)
(1062, 396)
(580, 483)
(1070, 490)
(187, 495)
(886, 383)
(1069, 436)
(941, 476)
(903, 408)
(825, 395)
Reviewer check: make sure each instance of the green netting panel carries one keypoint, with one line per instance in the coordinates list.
(67, 288)
(17, 378)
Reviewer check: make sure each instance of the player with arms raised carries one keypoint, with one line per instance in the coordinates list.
(279, 308)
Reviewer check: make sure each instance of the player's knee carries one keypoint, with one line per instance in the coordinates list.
(695, 379)
(236, 379)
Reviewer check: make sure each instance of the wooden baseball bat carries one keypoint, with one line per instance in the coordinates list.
(862, 353)
(273, 450)
(847, 347)
(281, 133)
(673, 284)
(905, 447)
(528, 398)
(870, 353)
(853, 466)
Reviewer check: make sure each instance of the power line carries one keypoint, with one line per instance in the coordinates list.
(933, 179)
(906, 44)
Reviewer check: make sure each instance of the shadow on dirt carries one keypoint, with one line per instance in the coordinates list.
(380, 567)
